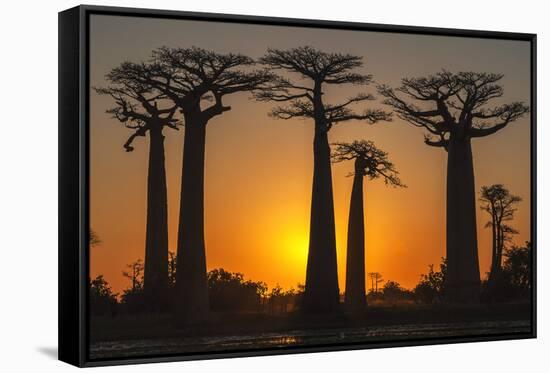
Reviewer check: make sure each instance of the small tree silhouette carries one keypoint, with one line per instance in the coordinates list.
(135, 275)
(190, 77)
(431, 287)
(102, 299)
(375, 279)
(138, 108)
(315, 70)
(94, 239)
(133, 298)
(517, 267)
(500, 204)
(452, 109)
(373, 163)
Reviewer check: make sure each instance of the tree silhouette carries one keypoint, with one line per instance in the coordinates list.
(393, 292)
(102, 299)
(231, 292)
(374, 163)
(303, 98)
(375, 279)
(452, 109)
(94, 238)
(135, 274)
(500, 204)
(133, 299)
(190, 77)
(431, 287)
(517, 266)
(138, 107)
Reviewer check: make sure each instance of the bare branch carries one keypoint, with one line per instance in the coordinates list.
(280, 89)
(416, 116)
(506, 114)
(442, 142)
(141, 131)
(369, 115)
(358, 98)
(295, 109)
(216, 109)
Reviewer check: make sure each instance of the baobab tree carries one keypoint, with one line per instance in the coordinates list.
(314, 70)
(453, 109)
(373, 163)
(500, 204)
(146, 112)
(192, 78)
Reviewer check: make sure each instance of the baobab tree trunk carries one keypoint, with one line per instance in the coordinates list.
(462, 282)
(495, 276)
(191, 283)
(321, 292)
(355, 264)
(495, 247)
(500, 247)
(494, 253)
(155, 277)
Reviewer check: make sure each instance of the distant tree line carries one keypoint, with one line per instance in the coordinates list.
(227, 292)
(230, 292)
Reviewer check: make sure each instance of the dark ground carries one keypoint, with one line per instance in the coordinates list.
(139, 335)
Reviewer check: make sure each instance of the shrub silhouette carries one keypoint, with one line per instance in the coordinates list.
(431, 287)
(230, 292)
(103, 302)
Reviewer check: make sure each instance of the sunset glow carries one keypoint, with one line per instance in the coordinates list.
(259, 170)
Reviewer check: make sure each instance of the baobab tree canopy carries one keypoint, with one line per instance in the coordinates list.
(370, 161)
(304, 99)
(137, 103)
(453, 108)
(453, 103)
(317, 68)
(189, 75)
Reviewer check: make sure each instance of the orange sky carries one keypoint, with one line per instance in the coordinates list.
(258, 169)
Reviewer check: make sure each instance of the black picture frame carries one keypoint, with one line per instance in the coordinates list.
(74, 187)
